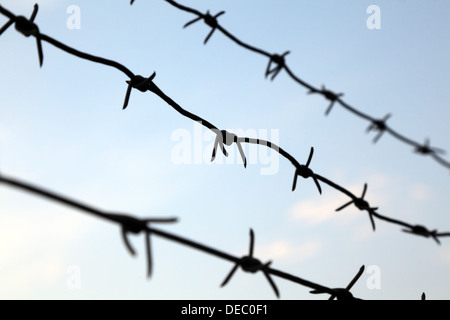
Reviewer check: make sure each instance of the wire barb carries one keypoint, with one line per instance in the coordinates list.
(279, 61)
(329, 95)
(423, 232)
(27, 27)
(305, 172)
(136, 226)
(426, 149)
(209, 20)
(6, 26)
(250, 264)
(380, 126)
(343, 293)
(227, 138)
(138, 82)
(362, 204)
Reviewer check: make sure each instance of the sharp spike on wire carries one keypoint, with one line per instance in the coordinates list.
(224, 151)
(279, 60)
(230, 274)
(355, 278)
(306, 172)
(317, 185)
(311, 153)
(364, 191)
(219, 14)
(436, 239)
(344, 206)
(148, 254)
(192, 21)
(161, 220)
(252, 243)
(127, 242)
(327, 112)
(372, 220)
(219, 141)
(269, 278)
(241, 152)
(6, 26)
(216, 144)
(378, 136)
(294, 183)
(34, 13)
(209, 36)
(137, 82)
(39, 48)
(127, 95)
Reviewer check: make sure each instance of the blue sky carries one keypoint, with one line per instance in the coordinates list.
(62, 127)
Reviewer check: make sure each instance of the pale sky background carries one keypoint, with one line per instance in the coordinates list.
(62, 127)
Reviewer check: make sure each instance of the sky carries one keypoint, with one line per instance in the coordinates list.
(62, 127)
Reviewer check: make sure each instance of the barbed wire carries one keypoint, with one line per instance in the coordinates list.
(132, 224)
(223, 137)
(277, 63)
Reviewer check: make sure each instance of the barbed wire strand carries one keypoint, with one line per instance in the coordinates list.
(375, 124)
(136, 225)
(223, 137)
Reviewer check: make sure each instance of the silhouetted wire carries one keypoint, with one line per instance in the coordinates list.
(362, 205)
(135, 225)
(280, 64)
(224, 137)
(343, 293)
(250, 264)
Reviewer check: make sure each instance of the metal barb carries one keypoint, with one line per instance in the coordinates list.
(423, 232)
(138, 82)
(362, 204)
(380, 126)
(305, 172)
(343, 293)
(209, 20)
(279, 61)
(136, 226)
(27, 27)
(6, 26)
(329, 95)
(426, 149)
(250, 264)
(227, 138)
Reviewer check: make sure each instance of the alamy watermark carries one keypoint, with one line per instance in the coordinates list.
(373, 22)
(374, 280)
(73, 281)
(195, 147)
(74, 19)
